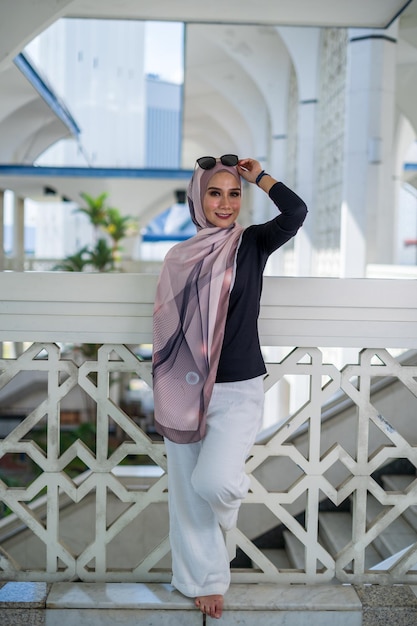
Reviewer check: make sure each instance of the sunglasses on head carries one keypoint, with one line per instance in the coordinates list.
(208, 162)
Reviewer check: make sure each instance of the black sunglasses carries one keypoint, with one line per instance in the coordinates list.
(208, 162)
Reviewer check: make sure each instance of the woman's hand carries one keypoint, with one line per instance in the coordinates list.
(249, 169)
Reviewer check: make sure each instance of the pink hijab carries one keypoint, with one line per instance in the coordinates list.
(190, 311)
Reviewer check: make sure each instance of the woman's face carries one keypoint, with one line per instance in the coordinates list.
(221, 201)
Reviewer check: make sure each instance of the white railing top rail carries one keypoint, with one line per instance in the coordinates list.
(117, 308)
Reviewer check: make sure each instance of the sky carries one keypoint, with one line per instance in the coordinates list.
(164, 48)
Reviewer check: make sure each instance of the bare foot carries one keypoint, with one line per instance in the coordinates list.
(210, 605)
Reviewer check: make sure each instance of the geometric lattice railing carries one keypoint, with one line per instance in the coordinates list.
(93, 377)
(310, 480)
(340, 462)
(329, 452)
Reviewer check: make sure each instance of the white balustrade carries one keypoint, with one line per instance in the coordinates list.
(355, 419)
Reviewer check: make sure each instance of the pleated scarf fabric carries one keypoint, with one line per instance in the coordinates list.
(190, 311)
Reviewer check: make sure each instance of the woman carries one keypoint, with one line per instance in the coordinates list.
(208, 368)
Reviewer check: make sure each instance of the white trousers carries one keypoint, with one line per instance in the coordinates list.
(207, 483)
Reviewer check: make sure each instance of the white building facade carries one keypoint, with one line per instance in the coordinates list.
(98, 68)
(327, 110)
(128, 119)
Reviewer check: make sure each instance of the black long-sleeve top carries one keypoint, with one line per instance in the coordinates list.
(241, 356)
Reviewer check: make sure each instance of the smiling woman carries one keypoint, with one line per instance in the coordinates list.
(208, 368)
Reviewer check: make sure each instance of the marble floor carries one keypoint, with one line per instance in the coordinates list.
(155, 604)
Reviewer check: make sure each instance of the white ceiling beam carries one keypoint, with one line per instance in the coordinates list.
(343, 13)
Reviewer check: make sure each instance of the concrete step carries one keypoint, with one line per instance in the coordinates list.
(156, 604)
(335, 530)
(394, 482)
(336, 533)
(278, 557)
(397, 536)
(295, 550)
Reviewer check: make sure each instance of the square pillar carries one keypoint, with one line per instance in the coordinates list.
(19, 235)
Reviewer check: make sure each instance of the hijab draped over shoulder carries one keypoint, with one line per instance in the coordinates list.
(191, 304)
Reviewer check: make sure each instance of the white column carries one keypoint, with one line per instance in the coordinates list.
(278, 169)
(367, 218)
(2, 258)
(18, 248)
(306, 172)
(304, 47)
(18, 234)
(278, 158)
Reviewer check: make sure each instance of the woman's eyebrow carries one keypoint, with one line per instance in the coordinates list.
(220, 188)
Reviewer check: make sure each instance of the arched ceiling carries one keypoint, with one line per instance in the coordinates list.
(224, 45)
(28, 122)
(220, 98)
(22, 21)
(244, 67)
